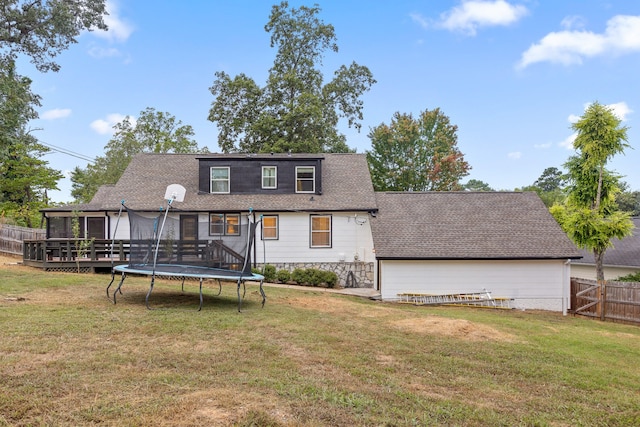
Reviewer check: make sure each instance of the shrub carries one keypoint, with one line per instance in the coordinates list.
(299, 275)
(633, 277)
(283, 276)
(268, 271)
(314, 277)
(330, 278)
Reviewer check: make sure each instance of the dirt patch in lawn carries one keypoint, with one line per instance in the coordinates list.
(458, 328)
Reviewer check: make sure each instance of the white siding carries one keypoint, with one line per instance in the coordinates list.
(584, 271)
(533, 284)
(351, 236)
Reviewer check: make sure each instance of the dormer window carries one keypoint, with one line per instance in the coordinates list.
(305, 179)
(269, 177)
(220, 180)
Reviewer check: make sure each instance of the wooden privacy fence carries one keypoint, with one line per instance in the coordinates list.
(614, 301)
(13, 236)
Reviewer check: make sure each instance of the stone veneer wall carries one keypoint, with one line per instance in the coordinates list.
(362, 271)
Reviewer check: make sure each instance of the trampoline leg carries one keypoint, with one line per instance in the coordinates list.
(200, 308)
(264, 296)
(183, 284)
(124, 275)
(146, 300)
(239, 298)
(219, 287)
(109, 285)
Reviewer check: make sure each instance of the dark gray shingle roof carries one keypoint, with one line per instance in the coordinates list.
(346, 186)
(624, 253)
(467, 225)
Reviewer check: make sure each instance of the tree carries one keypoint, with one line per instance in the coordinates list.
(41, 29)
(477, 185)
(590, 215)
(294, 111)
(25, 177)
(550, 186)
(552, 179)
(416, 154)
(627, 200)
(153, 132)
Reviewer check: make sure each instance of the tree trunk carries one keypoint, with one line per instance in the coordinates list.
(598, 256)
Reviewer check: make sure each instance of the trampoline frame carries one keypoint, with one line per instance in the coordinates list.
(206, 273)
(184, 271)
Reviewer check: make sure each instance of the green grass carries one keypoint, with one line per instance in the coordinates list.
(68, 356)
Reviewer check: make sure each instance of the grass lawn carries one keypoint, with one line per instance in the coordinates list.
(68, 356)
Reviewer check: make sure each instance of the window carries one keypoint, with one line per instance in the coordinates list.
(225, 224)
(305, 179)
(269, 177)
(270, 227)
(320, 231)
(219, 180)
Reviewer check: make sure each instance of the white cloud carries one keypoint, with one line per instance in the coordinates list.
(419, 19)
(542, 146)
(105, 126)
(100, 52)
(569, 47)
(571, 22)
(119, 29)
(515, 155)
(568, 142)
(473, 14)
(56, 113)
(620, 109)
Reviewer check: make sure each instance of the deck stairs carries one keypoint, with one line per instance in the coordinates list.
(474, 299)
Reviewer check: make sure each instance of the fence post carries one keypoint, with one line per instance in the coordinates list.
(603, 300)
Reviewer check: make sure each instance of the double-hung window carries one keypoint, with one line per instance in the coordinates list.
(305, 179)
(269, 177)
(320, 231)
(220, 180)
(270, 227)
(224, 224)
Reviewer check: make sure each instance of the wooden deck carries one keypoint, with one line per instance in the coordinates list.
(63, 255)
(101, 255)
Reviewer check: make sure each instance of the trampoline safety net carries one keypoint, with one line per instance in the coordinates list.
(225, 246)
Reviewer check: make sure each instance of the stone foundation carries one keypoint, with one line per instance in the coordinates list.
(350, 274)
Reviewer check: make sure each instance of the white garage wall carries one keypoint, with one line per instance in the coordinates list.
(610, 272)
(532, 284)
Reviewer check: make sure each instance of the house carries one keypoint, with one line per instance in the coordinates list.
(314, 209)
(620, 260)
(465, 242)
(320, 210)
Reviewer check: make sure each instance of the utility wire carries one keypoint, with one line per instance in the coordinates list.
(67, 152)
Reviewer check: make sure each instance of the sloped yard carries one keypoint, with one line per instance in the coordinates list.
(70, 357)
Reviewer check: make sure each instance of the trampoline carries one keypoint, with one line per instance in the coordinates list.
(157, 250)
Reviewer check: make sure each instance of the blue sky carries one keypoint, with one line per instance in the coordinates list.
(511, 74)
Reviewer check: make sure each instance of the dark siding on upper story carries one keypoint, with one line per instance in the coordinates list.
(245, 174)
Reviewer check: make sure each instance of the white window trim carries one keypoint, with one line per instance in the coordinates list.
(275, 178)
(313, 180)
(228, 180)
(311, 245)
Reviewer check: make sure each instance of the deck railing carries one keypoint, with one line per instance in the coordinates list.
(56, 253)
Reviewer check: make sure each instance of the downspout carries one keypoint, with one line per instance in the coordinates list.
(566, 280)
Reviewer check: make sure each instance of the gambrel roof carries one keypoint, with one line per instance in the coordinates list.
(346, 186)
(467, 225)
